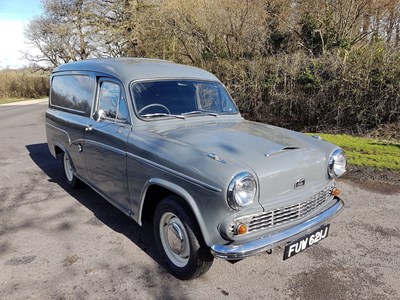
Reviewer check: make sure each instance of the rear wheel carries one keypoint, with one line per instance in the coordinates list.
(71, 179)
(179, 240)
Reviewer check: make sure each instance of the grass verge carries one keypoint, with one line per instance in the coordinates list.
(11, 100)
(367, 152)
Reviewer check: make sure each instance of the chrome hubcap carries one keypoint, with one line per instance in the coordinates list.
(174, 239)
(68, 168)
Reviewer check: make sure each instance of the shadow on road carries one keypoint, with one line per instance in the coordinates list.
(101, 208)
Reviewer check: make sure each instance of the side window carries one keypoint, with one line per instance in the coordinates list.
(123, 114)
(72, 92)
(111, 100)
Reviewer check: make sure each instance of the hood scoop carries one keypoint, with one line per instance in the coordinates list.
(283, 150)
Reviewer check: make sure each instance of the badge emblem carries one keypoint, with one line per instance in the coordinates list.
(300, 183)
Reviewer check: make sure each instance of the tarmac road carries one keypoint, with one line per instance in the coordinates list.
(56, 243)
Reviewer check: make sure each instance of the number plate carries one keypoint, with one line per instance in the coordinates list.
(305, 242)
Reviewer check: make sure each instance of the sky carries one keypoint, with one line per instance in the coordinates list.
(14, 16)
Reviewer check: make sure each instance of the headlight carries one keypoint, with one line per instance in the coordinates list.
(337, 164)
(242, 190)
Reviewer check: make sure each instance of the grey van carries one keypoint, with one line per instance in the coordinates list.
(165, 142)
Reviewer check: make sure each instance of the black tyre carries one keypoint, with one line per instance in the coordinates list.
(179, 240)
(71, 179)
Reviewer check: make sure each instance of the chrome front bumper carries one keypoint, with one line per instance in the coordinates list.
(236, 252)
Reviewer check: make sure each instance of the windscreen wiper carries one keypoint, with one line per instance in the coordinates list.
(194, 112)
(162, 115)
(198, 112)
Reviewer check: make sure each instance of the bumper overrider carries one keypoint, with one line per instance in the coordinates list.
(237, 252)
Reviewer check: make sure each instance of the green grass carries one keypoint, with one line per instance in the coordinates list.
(366, 152)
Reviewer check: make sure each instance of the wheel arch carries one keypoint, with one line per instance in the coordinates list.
(58, 149)
(156, 190)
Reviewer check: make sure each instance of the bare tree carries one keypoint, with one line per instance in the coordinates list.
(62, 33)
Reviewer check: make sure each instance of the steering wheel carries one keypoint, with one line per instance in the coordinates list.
(154, 105)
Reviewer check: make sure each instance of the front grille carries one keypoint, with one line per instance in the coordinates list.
(283, 214)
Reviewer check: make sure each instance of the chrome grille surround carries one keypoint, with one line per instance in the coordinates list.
(281, 215)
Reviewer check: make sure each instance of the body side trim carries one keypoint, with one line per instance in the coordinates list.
(138, 158)
(62, 130)
(105, 146)
(173, 172)
(67, 109)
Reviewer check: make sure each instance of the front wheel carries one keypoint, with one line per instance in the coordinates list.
(179, 240)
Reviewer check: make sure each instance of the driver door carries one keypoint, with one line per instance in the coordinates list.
(106, 143)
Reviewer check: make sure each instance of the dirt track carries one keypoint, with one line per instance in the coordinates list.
(56, 243)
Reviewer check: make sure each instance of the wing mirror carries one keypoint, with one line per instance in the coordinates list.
(99, 115)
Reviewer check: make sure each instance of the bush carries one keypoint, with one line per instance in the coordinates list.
(23, 83)
(354, 92)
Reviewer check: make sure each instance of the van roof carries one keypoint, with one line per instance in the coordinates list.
(130, 69)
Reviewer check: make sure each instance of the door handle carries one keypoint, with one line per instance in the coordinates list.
(88, 128)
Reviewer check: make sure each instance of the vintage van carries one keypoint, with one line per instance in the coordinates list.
(165, 142)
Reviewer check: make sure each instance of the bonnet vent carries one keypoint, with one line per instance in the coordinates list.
(281, 151)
